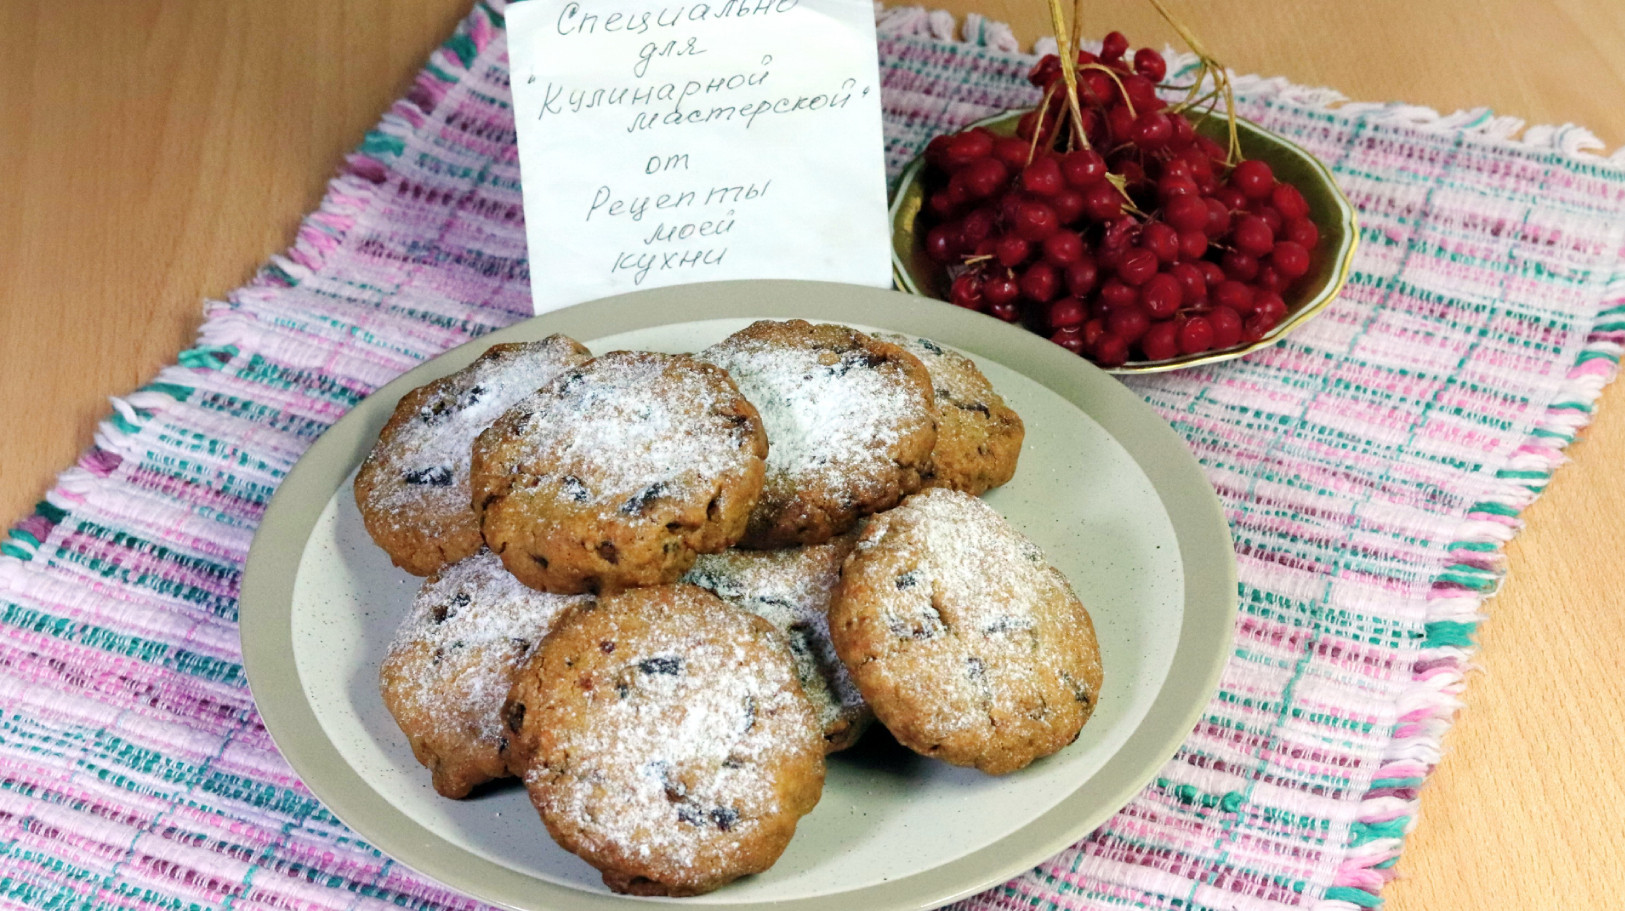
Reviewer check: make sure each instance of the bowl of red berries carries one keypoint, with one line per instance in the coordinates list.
(1141, 233)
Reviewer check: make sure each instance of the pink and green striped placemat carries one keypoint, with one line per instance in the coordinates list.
(1372, 468)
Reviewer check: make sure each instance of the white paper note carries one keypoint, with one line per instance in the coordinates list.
(664, 142)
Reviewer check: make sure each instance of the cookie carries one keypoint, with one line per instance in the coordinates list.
(619, 473)
(849, 420)
(664, 739)
(791, 589)
(413, 489)
(449, 668)
(967, 644)
(978, 435)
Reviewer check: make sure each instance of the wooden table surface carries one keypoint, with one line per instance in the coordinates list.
(153, 154)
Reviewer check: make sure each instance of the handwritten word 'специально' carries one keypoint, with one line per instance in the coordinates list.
(572, 20)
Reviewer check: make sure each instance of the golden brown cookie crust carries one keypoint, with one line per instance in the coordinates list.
(792, 589)
(619, 473)
(967, 644)
(978, 436)
(849, 419)
(664, 739)
(413, 489)
(449, 668)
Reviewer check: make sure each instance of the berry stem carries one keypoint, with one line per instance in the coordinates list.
(1184, 33)
(1121, 185)
(1077, 25)
(1065, 43)
(1192, 100)
(1208, 66)
(1038, 132)
(1112, 74)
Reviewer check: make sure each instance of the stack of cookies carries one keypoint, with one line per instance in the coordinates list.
(662, 588)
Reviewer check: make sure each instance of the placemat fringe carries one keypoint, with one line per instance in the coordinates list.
(1389, 810)
(939, 24)
(129, 415)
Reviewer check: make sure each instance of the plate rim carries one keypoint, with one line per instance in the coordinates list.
(1203, 534)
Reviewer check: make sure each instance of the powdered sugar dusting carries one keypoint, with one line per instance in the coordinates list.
(954, 375)
(970, 604)
(679, 758)
(474, 625)
(626, 428)
(828, 415)
(986, 569)
(428, 457)
(791, 589)
(979, 581)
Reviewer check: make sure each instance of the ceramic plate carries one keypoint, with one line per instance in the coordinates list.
(1104, 486)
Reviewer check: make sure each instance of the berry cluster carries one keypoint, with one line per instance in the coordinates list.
(1112, 226)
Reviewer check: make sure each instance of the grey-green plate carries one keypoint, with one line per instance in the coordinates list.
(1104, 486)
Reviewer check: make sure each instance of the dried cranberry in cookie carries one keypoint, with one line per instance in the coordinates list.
(850, 425)
(664, 739)
(978, 435)
(453, 660)
(967, 644)
(413, 489)
(791, 589)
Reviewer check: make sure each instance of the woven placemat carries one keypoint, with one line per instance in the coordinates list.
(1372, 468)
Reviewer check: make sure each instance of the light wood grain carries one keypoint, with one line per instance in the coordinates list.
(1558, 62)
(155, 153)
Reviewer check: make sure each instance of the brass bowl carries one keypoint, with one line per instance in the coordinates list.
(1330, 210)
